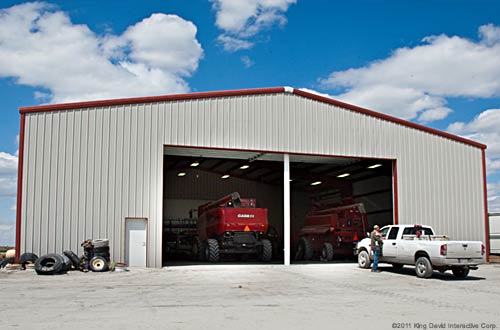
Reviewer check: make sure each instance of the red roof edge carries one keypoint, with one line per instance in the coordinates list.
(149, 99)
(241, 92)
(387, 118)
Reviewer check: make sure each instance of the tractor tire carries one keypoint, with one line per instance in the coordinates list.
(423, 267)
(364, 259)
(305, 249)
(67, 263)
(267, 250)
(327, 252)
(460, 272)
(27, 258)
(212, 253)
(49, 264)
(6, 261)
(75, 261)
(99, 243)
(198, 250)
(98, 264)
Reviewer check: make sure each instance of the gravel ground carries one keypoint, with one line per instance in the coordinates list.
(322, 296)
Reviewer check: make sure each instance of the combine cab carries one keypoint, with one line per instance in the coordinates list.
(232, 226)
(330, 231)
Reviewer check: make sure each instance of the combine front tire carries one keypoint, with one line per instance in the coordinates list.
(304, 249)
(212, 253)
(267, 250)
(327, 252)
(364, 260)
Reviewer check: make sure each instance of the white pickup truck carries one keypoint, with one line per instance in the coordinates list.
(417, 245)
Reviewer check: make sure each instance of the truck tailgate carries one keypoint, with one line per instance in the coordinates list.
(464, 250)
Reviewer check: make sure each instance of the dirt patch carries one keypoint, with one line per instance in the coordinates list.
(495, 259)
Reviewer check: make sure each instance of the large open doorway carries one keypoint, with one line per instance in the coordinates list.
(201, 189)
(334, 203)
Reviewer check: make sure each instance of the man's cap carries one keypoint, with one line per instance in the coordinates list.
(376, 227)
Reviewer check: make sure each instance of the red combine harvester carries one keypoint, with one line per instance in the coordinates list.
(232, 225)
(330, 231)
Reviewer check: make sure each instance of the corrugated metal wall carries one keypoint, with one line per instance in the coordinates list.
(85, 170)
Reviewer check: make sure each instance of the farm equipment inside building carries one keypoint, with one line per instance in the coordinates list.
(330, 231)
(232, 226)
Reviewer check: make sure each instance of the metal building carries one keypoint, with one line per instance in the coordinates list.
(84, 168)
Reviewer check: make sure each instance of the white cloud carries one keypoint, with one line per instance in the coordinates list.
(8, 164)
(414, 82)
(243, 19)
(41, 47)
(232, 44)
(13, 207)
(247, 61)
(7, 231)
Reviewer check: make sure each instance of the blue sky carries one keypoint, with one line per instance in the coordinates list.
(432, 62)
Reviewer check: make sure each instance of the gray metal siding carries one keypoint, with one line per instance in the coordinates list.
(85, 170)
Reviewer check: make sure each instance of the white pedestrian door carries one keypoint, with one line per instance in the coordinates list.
(135, 242)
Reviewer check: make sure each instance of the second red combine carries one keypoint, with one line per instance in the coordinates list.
(331, 230)
(232, 226)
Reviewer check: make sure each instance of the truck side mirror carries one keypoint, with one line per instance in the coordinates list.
(367, 234)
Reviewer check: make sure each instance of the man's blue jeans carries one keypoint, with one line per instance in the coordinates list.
(376, 255)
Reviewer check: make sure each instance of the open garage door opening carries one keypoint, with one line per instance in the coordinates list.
(334, 203)
(222, 206)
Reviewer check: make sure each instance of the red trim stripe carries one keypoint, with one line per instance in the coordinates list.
(387, 118)
(150, 99)
(241, 92)
(20, 186)
(486, 217)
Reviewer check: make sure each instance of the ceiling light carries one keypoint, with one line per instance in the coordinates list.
(244, 167)
(343, 175)
(375, 166)
(194, 164)
(181, 174)
(315, 183)
(225, 176)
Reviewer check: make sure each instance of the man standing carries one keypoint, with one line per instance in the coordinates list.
(376, 246)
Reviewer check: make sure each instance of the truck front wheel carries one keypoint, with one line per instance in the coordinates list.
(364, 260)
(460, 272)
(212, 253)
(423, 267)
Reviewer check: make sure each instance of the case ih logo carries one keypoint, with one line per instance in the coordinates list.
(246, 216)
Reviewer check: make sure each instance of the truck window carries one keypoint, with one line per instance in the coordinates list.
(384, 231)
(413, 231)
(393, 233)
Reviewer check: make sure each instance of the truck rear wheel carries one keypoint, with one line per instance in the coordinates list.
(212, 253)
(364, 260)
(304, 249)
(460, 272)
(327, 252)
(267, 250)
(423, 267)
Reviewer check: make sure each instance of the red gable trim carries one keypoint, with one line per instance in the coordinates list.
(150, 99)
(242, 92)
(387, 118)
